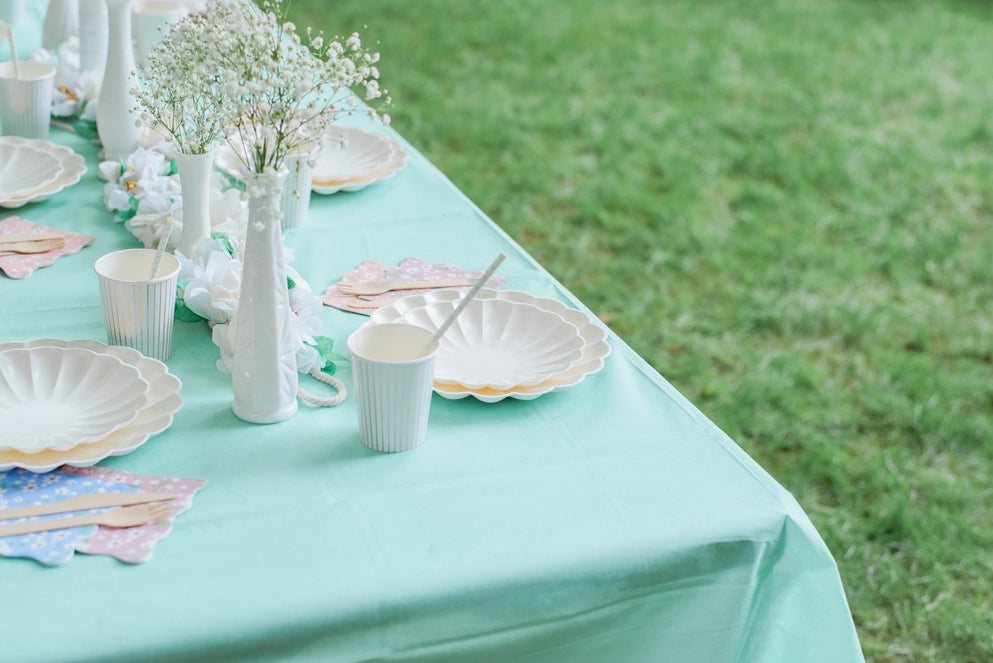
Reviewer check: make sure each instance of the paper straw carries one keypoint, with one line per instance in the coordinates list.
(163, 241)
(465, 302)
(13, 52)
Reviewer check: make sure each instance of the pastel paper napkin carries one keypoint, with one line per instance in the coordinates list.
(23, 488)
(410, 269)
(21, 265)
(132, 545)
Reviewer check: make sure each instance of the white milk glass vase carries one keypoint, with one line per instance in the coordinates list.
(92, 36)
(264, 371)
(194, 179)
(61, 22)
(116, 110)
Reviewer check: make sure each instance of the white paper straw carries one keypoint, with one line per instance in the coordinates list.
(163, 241)
(13, 52)
(465, 302)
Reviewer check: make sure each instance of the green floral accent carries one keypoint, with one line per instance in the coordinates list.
(184, 314)
(323, 347)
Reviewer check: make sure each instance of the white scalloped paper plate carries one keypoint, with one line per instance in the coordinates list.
(499, 344)
(55, 398)
(595, 350)
(25, 168)
(349, 159)
(72, 168)
(156, 416)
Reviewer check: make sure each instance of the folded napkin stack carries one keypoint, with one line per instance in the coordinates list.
(21, 265)
(409, 269)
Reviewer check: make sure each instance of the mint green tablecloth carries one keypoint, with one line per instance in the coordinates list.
(611, 521)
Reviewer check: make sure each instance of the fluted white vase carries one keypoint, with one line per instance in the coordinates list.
(117, 114)
(194, 179)
(264, 373)
(92, 26)
(61, 22)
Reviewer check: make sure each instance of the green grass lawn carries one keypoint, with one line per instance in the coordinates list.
(785, 206)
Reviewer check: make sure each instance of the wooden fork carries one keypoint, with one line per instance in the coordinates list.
(128, 516)
(42, 246)
(379, 287)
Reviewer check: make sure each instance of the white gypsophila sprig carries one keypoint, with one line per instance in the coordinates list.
(282, 90)
(178, 91)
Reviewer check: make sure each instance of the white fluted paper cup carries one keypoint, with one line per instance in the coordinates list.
(295, 203)
(139, 311)
(26, 100)
(393, 384)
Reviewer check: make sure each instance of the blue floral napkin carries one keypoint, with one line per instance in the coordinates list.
(22, 488)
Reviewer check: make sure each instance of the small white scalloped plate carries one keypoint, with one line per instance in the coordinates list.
(57, 398)
(157, 415)
(25, 168)
(499, 344)
(73, 167)
(351, 159)
(595, 351)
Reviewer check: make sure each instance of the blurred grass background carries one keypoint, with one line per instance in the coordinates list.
(785, 206)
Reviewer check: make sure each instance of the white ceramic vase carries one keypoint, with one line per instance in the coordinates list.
(264, 373)
(194, 178)
(61, 22)
(116, 115)
(92, 24)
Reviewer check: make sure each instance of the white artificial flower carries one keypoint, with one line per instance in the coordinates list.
(213, 281)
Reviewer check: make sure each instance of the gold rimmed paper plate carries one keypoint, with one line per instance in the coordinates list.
(595, 349)
(163, 401)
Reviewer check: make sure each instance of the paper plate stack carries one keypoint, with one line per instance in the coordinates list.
(32, 170)
(348, 159)
(506, 344)
(78, 402)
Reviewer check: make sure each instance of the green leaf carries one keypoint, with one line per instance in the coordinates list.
(225, 241)
(184, 313)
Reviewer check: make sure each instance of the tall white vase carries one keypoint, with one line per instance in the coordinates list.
(194, 179)
(116, 114)
(264, 373)
(61, 22)
(93, 36)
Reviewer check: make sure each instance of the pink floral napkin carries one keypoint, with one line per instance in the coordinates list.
(20, 265)
(135, 544)
(410, 269)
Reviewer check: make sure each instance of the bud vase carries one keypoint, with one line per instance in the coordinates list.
(61, 22)
(92, 36)
(194, 179)
(116, 111)
(264, 372)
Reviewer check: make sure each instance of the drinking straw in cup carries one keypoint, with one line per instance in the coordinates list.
(138, 310)
(393, 384)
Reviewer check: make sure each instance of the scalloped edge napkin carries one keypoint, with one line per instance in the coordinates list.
(21, 265)
(410, 269)
(133, 545)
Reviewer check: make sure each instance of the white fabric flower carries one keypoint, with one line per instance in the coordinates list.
(213, 281)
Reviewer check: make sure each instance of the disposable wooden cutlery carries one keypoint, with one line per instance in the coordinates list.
(83, 503)
(379, 287)
(40, 246)
(127, 516)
